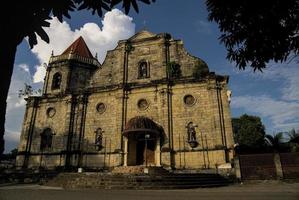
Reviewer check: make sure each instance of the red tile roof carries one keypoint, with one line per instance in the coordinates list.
(80, 48)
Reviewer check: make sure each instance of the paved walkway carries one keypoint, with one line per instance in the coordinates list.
(264, 190)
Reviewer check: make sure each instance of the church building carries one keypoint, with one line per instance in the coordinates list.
(150, 103)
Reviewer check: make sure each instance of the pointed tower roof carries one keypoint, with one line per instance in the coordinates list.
(80, 48)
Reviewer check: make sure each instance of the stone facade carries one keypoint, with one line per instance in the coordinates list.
(81, 117)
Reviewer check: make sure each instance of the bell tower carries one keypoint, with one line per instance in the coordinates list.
(70, 71)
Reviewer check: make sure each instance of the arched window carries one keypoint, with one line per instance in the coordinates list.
(46, 139)
(143, 70)
(99, 139)
(56, 81)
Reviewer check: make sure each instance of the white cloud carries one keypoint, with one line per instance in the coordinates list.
(283, 114)
(11, 139)
(20, 103)
(116, 26)
(40, 74)
(21, 75)
(288, 75)
(282, 107)
(12, 136)
(203, 27)
(15, 106)
(24, 67)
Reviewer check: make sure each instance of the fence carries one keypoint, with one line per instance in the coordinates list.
(268, 166)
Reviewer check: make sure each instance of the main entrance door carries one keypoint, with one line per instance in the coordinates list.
(142, 143)
(145, 151)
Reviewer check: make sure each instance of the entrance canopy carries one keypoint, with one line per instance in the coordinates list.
(141, 125)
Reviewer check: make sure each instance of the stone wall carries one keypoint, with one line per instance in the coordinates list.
(107, 104)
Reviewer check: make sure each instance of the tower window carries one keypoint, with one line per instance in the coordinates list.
(56, 82)
(46, 139)
(143, 70)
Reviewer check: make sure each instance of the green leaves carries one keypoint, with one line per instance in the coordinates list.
(274, 140)
(174, 70)
(32, 15)
(61, 8)
(94, 5)
(256, 32)
(248, 131)
(128, 3)
(28, 91)
(200, 70)
(43, 35)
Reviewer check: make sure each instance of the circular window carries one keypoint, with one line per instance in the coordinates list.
(101, 108)
(189, 100)
(142, 104)
(51, 112)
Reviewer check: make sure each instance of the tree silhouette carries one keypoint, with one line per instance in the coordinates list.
(255, 32)
(294, 140)
(27, 18)
(249, 132)
(275, 141)
(294, 136)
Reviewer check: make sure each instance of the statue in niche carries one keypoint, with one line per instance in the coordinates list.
(191, 134)
(143, 70)
(191, 131)
(229, 94)
(56, 81)
(99, 139)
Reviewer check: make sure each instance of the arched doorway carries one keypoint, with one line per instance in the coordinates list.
(143, 139)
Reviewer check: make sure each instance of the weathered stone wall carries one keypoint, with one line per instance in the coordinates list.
(165, 105)
(62, 68)
(146, 47)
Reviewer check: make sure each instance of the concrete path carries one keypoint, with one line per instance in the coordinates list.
(264, 190)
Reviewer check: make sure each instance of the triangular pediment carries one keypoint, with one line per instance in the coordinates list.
(142, 35)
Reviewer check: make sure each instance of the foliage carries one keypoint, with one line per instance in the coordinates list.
(294, 140)
(10, 156)
(129, 47)
(255, 32)
(14, 153)
(275, 141)
(248, 131)
(174, 70)
(28, 91)
(294, 136)
(200, 70)
(31, 15)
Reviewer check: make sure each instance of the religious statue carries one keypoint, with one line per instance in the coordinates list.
(229, 94)
(99, 139)
(143, 70)
(191, 132)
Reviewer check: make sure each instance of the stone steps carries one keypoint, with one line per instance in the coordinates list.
(139, 170)
(136, 181)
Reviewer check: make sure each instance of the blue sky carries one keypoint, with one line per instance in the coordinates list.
(272, 95)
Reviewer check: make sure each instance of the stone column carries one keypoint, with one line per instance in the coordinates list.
(158, 153)
(278, 166)
(125, 151)
(237, 168)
